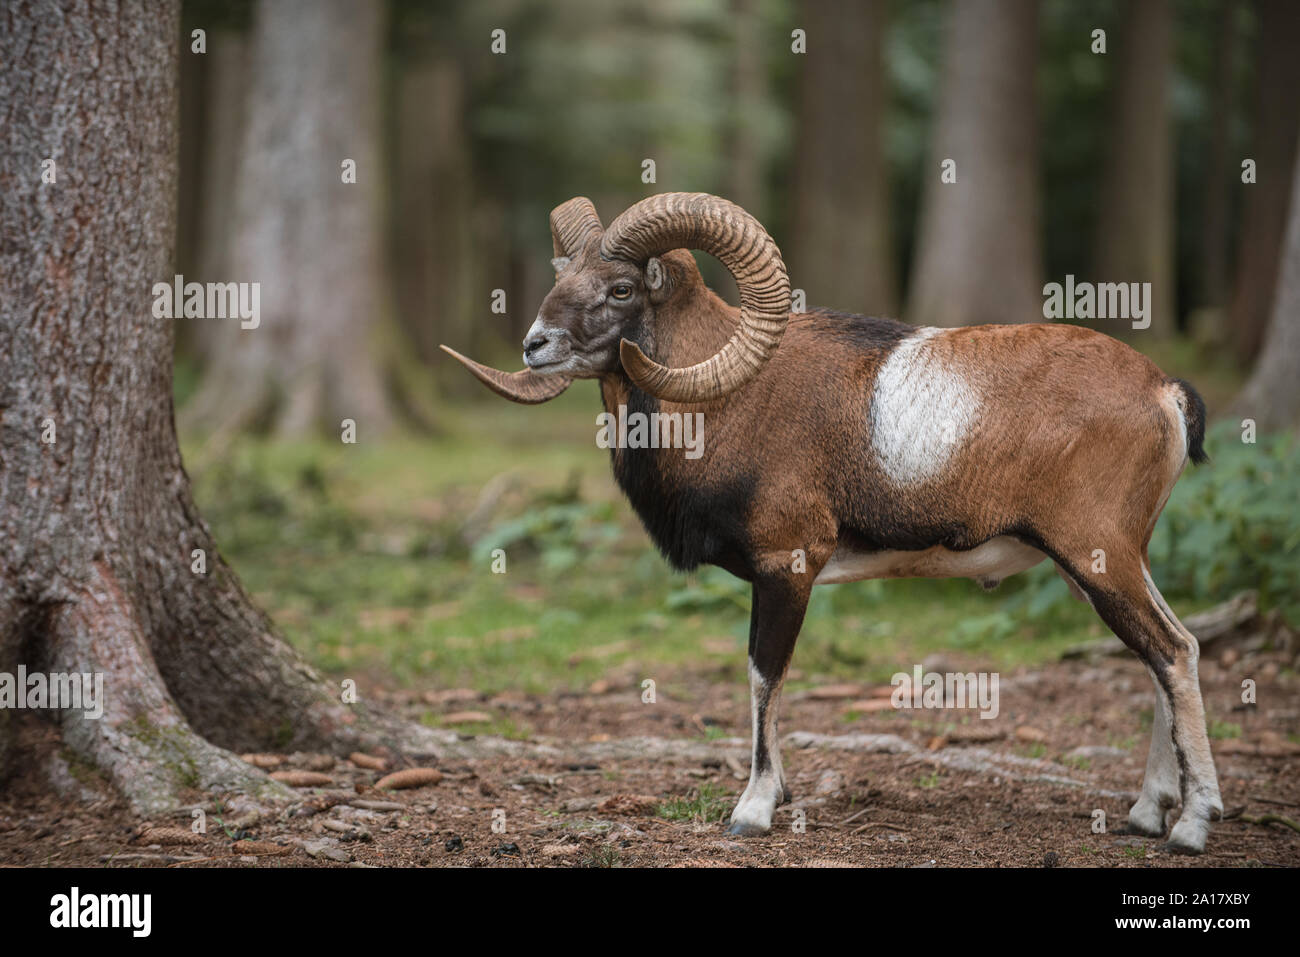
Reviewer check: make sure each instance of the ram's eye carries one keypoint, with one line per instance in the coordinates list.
(621, 291)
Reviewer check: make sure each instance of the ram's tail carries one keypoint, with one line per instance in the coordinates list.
(1193, 408)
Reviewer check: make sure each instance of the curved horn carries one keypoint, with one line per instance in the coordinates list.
(524, 386)
(573, 225)
(725, 231)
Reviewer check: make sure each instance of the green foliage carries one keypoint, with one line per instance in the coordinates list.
(710, 589)
(257, 504)
(1233, 524)
(560, 528)
(1223, 730)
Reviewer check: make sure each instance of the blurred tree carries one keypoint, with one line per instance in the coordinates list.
(840, 251)
(978, 256)
(1134, 241)
(749, 90)
(224, 99)
(1214, 211)
(432, 199)
(1272, 395)
(310, 238)
(223, 111)
(1273, 149)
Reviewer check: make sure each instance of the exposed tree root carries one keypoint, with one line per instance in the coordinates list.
(140, 743)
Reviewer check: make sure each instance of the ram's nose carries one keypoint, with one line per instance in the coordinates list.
(535, 343)
(543, 346)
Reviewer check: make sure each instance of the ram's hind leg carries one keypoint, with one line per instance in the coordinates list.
(1200, 784)
(1130, 604)
(775, 619)
(1160, 784)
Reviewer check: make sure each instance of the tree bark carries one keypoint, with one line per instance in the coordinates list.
(1267, 200)
(978, 254)
(1272, 395)
(97, 524)
(841, 255)
(312, 240)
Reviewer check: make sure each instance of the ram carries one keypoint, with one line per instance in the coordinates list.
(839, 447)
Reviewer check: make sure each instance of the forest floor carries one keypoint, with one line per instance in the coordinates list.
(620, 782)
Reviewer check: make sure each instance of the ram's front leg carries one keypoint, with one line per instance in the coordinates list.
(777, 614)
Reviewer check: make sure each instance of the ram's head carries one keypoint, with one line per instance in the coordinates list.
(609, 283)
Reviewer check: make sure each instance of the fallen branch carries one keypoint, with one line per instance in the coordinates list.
(1267, 819)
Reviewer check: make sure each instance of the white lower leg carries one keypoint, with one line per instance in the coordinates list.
(1200, 784)
(753, 813)
(1201, 800)
(1160, 783)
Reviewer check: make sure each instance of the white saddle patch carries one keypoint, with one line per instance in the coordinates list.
(994, 560)
(921, 411)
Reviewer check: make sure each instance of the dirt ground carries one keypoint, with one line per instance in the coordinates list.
(626, 783)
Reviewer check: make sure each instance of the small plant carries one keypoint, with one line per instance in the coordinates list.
(221, 822)
(604, 856)
(1222, 730)
(707, 803)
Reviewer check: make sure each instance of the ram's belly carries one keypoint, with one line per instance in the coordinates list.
(988, 563)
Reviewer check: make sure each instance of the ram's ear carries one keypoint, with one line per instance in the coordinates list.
(658, 281)
(560, 263)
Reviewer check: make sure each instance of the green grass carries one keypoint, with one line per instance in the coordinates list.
(1224, 730)
(707, 804)
(360, 555)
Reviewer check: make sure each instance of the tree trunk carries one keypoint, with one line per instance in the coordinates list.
(1134, 238)
(1273, 148)
(225, 106)
(432, 205)
(841, 254)
(310, 239)
(98, 529)
(1214, 217)
(748, 91)
(1272, 395)
(220, 112)
(978, 254)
